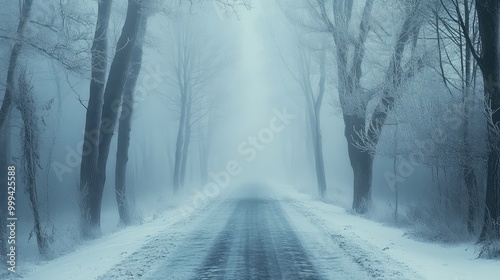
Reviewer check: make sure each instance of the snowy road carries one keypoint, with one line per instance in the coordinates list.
(263, 232)
(257, 242)
(253, 235)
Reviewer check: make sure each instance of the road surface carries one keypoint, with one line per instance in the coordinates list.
(257, 242)
(251, 234)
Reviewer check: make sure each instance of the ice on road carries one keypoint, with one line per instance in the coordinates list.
(248, 235)
(256, 242)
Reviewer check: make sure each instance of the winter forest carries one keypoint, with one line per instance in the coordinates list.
(249, 139)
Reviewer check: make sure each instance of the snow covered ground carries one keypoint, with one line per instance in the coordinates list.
(429, 260)
(335, 241)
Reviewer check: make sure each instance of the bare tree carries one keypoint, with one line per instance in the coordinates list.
(310, 61)
(194, 63)
(205, 131)
(93, 180)
(48, 29)
(487, 57)
(451, 40)
(51, 31)
(31, 156)
(24, 14)
(314, 101)
(125, 126)
(94, 109)
(489, 61)
(354, 100)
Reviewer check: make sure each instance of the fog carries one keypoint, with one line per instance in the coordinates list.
(376, 107)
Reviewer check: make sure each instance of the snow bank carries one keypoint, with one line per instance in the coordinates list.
(430, 260)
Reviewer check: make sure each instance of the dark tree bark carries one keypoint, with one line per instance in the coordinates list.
(90, 154)
(354, 118)
(489, 62)
(395, 77)
(115, 86)
(470, 178)
(124, 128)
(349, 76)
(472, 196)
(467, 73)
(31, 158)
(14, 56)
(361, 162)
(112, 100)
(356, 129)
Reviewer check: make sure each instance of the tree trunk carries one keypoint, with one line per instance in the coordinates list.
(179, 144)
(187, 140)
(30, 148)
(471, 185)
(317, 144)
(14, 55)
(470, 179)
(489, 23)
(124, 128)
(41, 240)
(349, 85)
(204, 153)
(309, 140)
(361, 163)
(184, 159)
(313, 115)
(113, 92)
(90, 153)
(319, 161)
(356, 130)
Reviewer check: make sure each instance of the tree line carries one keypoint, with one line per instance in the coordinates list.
(383, 112)
(58, 31)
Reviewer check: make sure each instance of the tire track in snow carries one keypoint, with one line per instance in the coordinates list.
(257, 243)
(369, 259)
(149, 257)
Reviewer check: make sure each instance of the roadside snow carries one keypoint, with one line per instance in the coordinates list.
(332, 234)
(429, 260)
(96, 257)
